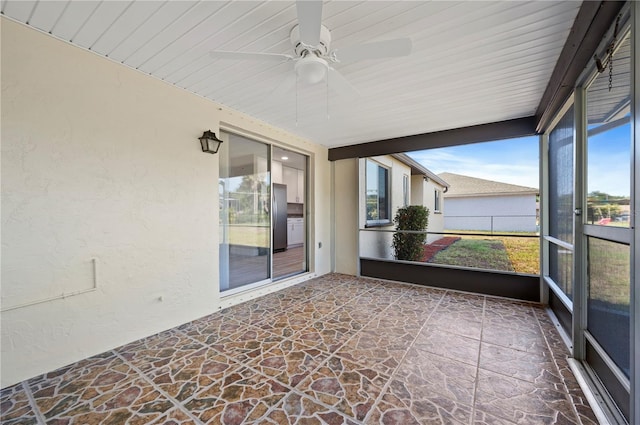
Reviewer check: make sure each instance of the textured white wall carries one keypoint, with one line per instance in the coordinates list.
(100, 161)
(417, 190)
(346, 216)
(474, 213)
(423, 194)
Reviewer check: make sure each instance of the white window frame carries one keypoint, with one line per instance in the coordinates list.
(405, 190)
(437, 200)
(384, 221)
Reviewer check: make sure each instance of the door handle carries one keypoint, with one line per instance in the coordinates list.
(275, 212)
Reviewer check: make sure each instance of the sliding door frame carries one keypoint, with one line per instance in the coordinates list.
(635, 196)
(225, 130)
(590, 362)
(603, 377)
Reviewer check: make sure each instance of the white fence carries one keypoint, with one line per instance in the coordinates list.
(492, 223)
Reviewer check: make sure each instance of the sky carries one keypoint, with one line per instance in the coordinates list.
(512, 161)
(609, 166)
(515, 161)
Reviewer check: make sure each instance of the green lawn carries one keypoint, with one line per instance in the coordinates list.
(609, 272)
(249, 235)
(524, 254)
(498, 253)
(479, 253)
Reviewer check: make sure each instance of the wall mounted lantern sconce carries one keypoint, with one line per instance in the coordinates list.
(210, 143)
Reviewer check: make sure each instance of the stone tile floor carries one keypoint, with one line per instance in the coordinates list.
(336, 350)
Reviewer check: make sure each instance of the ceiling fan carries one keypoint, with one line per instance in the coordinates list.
(312, 56)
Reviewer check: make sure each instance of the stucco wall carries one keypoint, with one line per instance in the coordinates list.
(346, 216)
(423, 193)
(102, 162)
(500, 213)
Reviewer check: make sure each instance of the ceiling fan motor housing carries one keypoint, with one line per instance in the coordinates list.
(322, 49)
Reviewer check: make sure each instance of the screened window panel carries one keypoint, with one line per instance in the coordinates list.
(561, 141)
(561, 268)
(609, 297)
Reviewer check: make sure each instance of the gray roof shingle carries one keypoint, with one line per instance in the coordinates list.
(460, 186)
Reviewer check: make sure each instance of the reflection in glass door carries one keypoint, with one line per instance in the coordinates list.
(606, 227)
(245, 220)
(289, 171)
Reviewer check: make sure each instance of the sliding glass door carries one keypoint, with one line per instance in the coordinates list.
(587, 260)
(262, 193)
(606, 226)
(245, 222)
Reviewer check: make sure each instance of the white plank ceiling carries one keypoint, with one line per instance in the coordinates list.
(473, 62)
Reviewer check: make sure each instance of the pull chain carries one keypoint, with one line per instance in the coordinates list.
(610, 51)
(327, 88)
(610, 72)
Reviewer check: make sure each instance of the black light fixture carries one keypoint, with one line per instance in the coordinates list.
(210, 143)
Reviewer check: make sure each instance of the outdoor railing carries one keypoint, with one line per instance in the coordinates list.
(511, 251)
(493, 223)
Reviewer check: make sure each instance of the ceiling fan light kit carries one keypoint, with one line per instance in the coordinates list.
(311, 69)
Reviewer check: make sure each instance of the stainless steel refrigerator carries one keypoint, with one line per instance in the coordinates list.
(279, 217)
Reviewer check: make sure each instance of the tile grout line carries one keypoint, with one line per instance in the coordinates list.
(392, 375)
(243, 365)
(476, 381)
(321, 296)
(32, 402)
(305, 302)
(176, 403)
(514, 377)
(234, 362)
(334, 354)
(567, 392)
(321, 364)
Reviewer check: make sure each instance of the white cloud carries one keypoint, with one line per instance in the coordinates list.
(513, 173)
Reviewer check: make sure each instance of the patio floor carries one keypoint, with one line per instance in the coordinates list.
(336, 349)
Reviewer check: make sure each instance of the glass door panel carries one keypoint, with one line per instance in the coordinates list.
(606, 225)
(245, 220)
(609, 144)
(289, 171)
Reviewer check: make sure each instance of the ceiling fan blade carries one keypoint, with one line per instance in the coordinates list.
(375, 50)
(341, 85)
(274, 57)
(309, 21)
(285, 85)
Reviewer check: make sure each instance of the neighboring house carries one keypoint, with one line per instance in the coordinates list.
(427, 189)
(390, 182)
(479, 204)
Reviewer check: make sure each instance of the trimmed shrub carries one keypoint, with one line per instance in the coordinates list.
(410, 246)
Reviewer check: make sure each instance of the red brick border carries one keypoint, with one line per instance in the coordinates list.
(433, 248)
